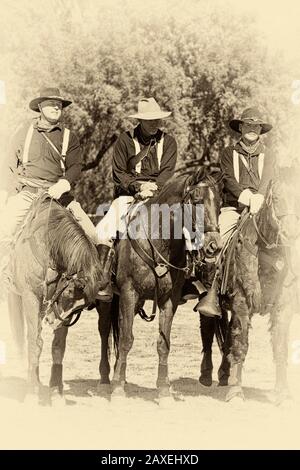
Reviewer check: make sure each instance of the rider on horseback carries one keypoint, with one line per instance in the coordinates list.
(247, 168)
(143, 160)
(45, 157)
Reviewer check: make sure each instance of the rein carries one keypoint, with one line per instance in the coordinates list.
(160, 269)
(268, 245)
(53, 303)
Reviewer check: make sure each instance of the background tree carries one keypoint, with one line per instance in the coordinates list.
(202, 61)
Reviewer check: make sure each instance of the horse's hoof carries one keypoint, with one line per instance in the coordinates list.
(31, 399)
(104, 389)
(235, 394)
(205, 380)
(166, 402)
(223, 382)
(165, 397)
(282, 398)
(118, 392)
(57, 398)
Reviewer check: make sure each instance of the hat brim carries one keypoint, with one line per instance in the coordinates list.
(34, 103)
(151, 116)
(234, 124)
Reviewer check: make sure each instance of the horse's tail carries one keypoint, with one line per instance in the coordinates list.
(221, 328)
(16, 319)
(115, 322)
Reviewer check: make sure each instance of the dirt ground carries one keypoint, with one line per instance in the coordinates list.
(198, 417)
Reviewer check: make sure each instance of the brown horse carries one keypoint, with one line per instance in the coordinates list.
(260, 266)
(56, 271)
(155, 267)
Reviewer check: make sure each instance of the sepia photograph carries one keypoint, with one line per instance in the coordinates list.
(149, 227)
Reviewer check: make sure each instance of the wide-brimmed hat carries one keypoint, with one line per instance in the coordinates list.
(250, 116)
(48, 94)
(149, 109)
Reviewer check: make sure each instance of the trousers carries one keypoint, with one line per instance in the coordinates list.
(228, 220)
(14, 212)
(114, 220)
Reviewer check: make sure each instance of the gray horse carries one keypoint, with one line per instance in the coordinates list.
(56, 272)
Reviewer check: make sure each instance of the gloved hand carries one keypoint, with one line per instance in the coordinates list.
(245, 197)
(145, 193)
(58, 189)
(256, 202)
(148, 186)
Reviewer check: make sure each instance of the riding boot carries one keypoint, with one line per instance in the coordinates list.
(106, 257)
(192, 289)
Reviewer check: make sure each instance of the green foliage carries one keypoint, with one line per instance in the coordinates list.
(200, 60)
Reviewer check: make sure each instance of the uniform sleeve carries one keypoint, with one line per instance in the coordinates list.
(269, 172)
(73, 160)
(121, 177)
(168, 161)
(230, 183)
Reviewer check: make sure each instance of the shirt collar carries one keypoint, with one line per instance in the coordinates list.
(260, 149)
(138, 134)
(58, 125)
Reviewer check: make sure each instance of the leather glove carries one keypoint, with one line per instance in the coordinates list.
(245, 197)
(145, 193)
(148, 186)
(256, 202)
(58, 189)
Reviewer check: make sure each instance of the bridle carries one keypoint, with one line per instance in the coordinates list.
(280, 237)
(161, 268)
(63, 281)
(188, 199)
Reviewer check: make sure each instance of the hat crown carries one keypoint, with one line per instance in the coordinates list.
(148, 105)
(50, 92)
(252, 114)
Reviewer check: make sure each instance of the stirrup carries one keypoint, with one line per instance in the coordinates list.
(106, 294)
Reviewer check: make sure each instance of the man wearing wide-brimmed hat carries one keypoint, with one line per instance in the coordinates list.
(247, 167)
(143, 160)
(45, 156)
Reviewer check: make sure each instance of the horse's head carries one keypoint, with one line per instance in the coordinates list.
(76, 259)
(204, 190)
(279, 215)
(68, 296)
(285, 194)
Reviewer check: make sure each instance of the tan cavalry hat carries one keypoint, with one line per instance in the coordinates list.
(48, 94)
(149, 109)
(250, 116)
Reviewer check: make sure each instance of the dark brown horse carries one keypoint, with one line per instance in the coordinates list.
(56, 271)
(154, 267)
(260, 266)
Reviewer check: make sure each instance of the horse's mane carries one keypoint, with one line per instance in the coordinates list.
(175, 187)
(172, 190)
(71, 250)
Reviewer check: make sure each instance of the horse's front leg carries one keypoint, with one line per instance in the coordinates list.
(58, 351)
(280, 324)
(207, 332)
(104, 327)
(238, 344)
(166, 315)
(31, 308)
(127, 308)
